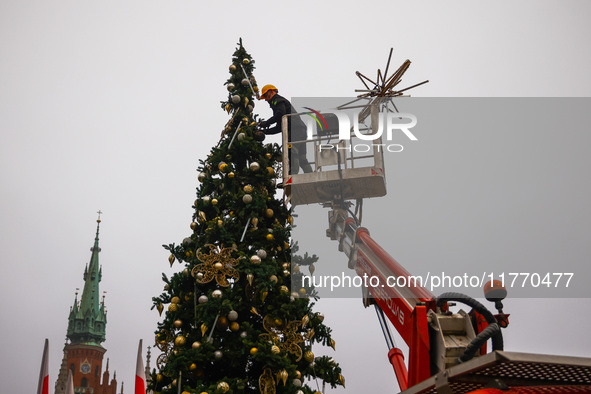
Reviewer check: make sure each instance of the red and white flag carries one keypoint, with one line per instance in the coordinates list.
(43, 387)
(70, 383)
(140, 374)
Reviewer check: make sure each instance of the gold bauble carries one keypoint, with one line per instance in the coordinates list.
(248, 189)
(264, 295)
(192, 367)
(298, 374)
(171, 259)
(285, 265)
(160, 308)
(223, 167)
(193, 225)
(214, 201)
(249, 277)
(284, 289)
(273, 279)
(225, 387)
(269, 213)
(309, 356)
(245, 61)
(253, 351)
(278, 322)
(302, 291)
(275, 349)
(178, 323)
(174, 382)
(231, 175)
(172, 307)
(232, 68)
(270, 170)
(268, 155)
(159, 378)
(218, 266)
(270, 237)
(234, 326)
(196, 345)
(180, 341)
(332, 343)
(282, 375)
(245, 119)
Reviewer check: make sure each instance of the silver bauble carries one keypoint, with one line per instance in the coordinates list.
(235, 99)
(231, 87)
(297, 383)
(244, 82)
(262, 253)
(241, 136)
(218, 354)
(255, 166)
(232, 68)
(203, 299)
(247, 198)
(232, 315)
(216, 293)
(255, 259)
(243, 335)
(202, 176)
(320, 317)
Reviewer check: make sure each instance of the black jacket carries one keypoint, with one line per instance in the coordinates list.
(281, 106)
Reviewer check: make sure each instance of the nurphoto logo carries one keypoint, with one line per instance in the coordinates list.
(389, 124)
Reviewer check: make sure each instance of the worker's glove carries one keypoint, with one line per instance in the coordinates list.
(263, 124)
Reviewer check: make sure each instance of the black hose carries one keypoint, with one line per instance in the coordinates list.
(490, 331)
(497, 337)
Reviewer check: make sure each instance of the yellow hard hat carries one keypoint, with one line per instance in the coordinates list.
(266, 88)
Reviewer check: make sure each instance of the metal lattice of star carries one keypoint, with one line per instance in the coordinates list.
(382, 89)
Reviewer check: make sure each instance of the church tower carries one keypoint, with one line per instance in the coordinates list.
(83, 353)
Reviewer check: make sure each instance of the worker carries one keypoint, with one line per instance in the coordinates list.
(296, 128)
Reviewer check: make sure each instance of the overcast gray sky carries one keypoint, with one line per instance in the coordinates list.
(110, 105)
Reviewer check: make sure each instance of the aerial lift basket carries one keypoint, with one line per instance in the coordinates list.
(343, 169)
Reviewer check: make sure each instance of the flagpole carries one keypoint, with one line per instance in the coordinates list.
(43, 386)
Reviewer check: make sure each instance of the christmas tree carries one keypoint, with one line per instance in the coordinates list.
(237, 319)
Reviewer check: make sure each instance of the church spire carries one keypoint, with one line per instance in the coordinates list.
(88, 320)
